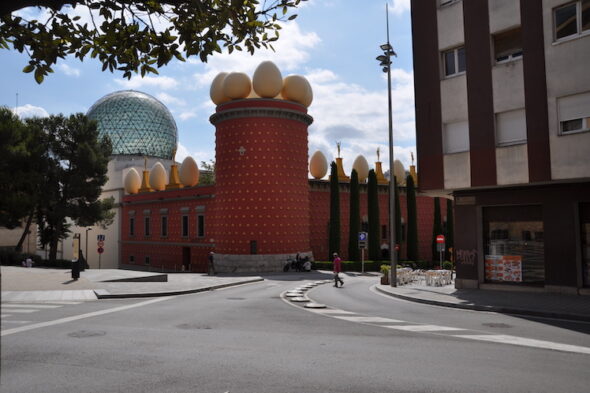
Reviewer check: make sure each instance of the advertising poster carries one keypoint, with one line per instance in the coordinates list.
(503, 268)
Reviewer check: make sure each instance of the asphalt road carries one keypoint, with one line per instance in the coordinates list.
(249, 339)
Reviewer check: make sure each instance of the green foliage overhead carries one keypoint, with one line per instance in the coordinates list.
(355, 217)
(412, 229)
(374, 222)
(138, 36)
(334, 236)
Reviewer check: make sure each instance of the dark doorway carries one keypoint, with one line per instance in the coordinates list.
(186, 259)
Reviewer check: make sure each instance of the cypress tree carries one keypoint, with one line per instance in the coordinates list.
(398, 221)
(436, 228)
(412, 230)
(355, 217)
(374, 224)
(334, 238)
(450, 230)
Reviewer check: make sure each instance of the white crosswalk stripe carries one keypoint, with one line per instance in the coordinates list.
(18, 305)
(408, 326)
(22, 310)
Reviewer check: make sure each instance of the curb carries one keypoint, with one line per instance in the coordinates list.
(104, 294)
(498, 309)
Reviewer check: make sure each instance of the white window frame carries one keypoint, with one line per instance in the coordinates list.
(444, 3)
(584, 116)
(579, 31)
(456, 56)
(585, 126)
(514, 55)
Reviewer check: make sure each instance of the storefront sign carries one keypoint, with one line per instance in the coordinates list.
(503, 268)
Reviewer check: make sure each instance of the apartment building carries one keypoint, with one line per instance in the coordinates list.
(502, 91)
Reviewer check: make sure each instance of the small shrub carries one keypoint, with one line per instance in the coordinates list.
(385, 269)
(448, 265)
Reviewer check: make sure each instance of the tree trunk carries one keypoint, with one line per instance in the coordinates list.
(53, 243)
(19, 246)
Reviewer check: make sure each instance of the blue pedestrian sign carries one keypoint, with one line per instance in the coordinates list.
(363, 239)
(100, 238)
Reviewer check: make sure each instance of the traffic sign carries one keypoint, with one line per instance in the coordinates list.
(100, 244)
(363, 239)
(397, 247)
(100, 250)
(100, 238)
(440, 238)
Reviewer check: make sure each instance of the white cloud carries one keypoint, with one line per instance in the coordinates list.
(29, 110)
(182, 152)
(70, 71)
(170, 100)
(187, 115)
(291, 52)
(357, 117)
(162, 82)
(398, 7)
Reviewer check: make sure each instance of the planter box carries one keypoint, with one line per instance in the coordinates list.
(384, 280)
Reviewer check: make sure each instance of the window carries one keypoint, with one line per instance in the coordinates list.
(456, 137)
(201, 225)
(384, 232)
(164, 226)
(454, 61)
(147, 260)
(184, 226)
(510, 127)
(131, 226)
(514, 244)
(131, 259)
(572, 19)
(147, 225)
(574, 113)
(508, 45)
(447, 2)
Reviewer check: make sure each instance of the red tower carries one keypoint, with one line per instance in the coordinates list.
(261, 212)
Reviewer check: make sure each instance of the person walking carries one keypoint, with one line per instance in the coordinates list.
(337, 269)
(211, 270)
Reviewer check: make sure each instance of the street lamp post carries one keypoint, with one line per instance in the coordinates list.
(385, 62)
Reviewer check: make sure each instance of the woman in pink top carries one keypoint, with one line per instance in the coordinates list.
(337, 269)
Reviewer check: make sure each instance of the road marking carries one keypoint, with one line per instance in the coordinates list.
(332, 311)
(18, 322)
(82, 316)
(525, 342)
(423, 328)
(29, 305)
(5, 315)
(22, 311)
(370, 319)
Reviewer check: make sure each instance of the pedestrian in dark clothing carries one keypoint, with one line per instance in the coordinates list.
(337, 269)
(76, 269)
(211, 270)
(82, 262)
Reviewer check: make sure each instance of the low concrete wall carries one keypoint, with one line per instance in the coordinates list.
(226, 263)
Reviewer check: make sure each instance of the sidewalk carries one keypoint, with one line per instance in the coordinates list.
(38, 284)
(574, 307)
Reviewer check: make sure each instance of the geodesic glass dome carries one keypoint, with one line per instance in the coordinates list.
(137, 123)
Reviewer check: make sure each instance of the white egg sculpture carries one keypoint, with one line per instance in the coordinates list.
(158, 177)
(216, 91)
(267, 80)
(399, 172)
(361, 166)
(297, 88)
(189, 172)
(237, 85)
(132, 181)
(318, 165)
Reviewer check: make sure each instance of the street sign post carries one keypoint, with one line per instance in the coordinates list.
(100, 244)
(363, 237)
(440, 246)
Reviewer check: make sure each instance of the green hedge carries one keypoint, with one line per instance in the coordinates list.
(348, 266)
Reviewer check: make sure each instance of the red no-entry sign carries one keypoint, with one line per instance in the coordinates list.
(100, 250)
(440, 238)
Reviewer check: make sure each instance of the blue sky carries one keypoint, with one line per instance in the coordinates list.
(332, 42)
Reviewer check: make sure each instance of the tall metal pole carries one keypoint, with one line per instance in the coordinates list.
(392, 244)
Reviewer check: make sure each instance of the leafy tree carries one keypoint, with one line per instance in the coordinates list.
(22, 165)
(449, 231)
(208, 175)
(412, 229)
(334, 237)
(75, 173)
(436, 228)
(355, 217)
(138, 36)
(398, 220)
(374, 222)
